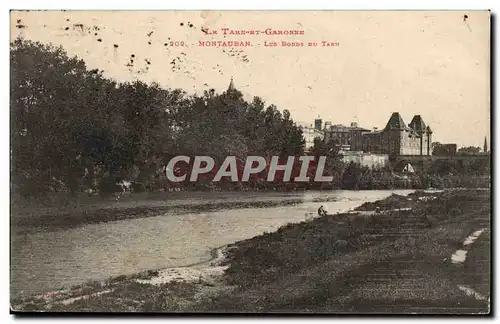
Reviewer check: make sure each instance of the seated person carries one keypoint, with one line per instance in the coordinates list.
(321, 211)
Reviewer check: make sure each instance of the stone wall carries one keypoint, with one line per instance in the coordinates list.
(373, 161)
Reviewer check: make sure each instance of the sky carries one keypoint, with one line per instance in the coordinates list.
(431, 63)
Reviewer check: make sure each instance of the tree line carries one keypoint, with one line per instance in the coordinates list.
(73, 128)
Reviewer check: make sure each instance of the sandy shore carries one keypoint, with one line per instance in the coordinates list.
(207, 271)
(204, 275)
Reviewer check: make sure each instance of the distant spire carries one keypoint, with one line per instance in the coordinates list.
(485, 147)
(231, 85)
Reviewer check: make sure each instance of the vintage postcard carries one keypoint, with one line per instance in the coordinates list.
(250, 162)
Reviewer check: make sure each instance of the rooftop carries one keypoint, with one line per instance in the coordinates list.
(417, 123)
(396, 122)
(375, 132)
(343, 128)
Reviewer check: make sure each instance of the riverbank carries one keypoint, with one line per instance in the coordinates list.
(61, 210)
(48, 258)
(129, 209)
(394, 255)
(396, 261)
(142, 205)
(172, 289)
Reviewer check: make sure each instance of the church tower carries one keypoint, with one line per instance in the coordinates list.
(231, 86)
(232, 91)
(485, 147)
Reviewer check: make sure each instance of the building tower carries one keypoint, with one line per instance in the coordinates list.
(418, 125)
(318, 123)
(485, 147)
(393, 132)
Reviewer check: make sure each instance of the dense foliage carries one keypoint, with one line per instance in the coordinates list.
(73, 128)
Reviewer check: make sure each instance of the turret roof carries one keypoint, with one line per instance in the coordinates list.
(395, 122)
(417, 124)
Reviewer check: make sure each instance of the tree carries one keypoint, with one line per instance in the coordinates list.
(331, 150)
(352, 176)
(72, 126)
(435, 147)
(469, 150)
(48, 91)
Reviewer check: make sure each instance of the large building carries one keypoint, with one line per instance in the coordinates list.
(397, 138)
(348, 137)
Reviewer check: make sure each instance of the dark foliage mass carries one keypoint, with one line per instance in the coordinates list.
(74, 129)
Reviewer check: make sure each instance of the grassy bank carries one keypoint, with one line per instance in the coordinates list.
(395, 260)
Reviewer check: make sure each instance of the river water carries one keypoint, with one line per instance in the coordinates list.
(43, 260)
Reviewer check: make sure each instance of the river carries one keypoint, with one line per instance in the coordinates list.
(43, 260)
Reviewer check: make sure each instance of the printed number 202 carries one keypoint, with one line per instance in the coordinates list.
(176, 43)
